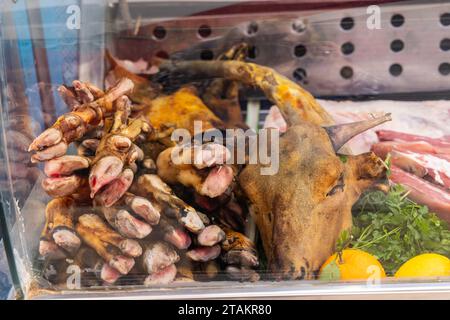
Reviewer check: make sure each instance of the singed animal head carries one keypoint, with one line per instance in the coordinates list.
(301, 210)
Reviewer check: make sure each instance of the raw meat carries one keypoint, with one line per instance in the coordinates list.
(421, 191)
(437, 169)
(427, 118)
(389, 135)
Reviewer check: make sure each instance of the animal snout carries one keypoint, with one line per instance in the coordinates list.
(299, 270)
(303, 271)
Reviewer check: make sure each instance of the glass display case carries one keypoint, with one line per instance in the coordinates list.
(5, 279)
(226, 149)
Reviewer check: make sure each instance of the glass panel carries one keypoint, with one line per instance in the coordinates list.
(5, 278)
(130, 187)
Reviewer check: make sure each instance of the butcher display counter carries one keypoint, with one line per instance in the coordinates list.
(226, 149)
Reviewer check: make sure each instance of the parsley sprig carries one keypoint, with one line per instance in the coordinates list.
(395, 229)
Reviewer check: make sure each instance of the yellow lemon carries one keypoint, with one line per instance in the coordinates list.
(354, 264)
(425, 265)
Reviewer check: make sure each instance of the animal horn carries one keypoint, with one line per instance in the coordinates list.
(340, 134)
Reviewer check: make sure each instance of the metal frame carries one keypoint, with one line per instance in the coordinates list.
(273, 290)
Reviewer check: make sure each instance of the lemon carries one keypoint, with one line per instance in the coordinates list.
(354, 264)
(425, 265)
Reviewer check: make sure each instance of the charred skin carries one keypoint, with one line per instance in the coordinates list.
(239, 254)
(94, 271)
(153, 188)
(301, 217)
(85, 100)
(69, 97)
(162, 277)
(131, 216)
(242, 273)
(204, 254)
(180, 110)
(185, 269)
(175, 235)
(158, 256)
(116, 250)
(238, 249)
(65, 165)
(201, 168)
(211, 236)
(294, 251)
(58, 238)
(113, 191)
(66, 176)
(93, 268)
(65, 185)
(294, 102)
(226, 209)
(115, 151)
(125, 223)
(142, 208)
(54, 141)
(301, 210)
(222, 96)
(207, 271)
(144, 91)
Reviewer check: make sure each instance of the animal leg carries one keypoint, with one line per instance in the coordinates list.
(116, 250)
(58, 236)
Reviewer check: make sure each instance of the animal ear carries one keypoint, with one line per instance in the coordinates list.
(366, 169)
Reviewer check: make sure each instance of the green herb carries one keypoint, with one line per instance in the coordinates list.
(343, 158)
(395, 229)
(344, 240)
(388, 163)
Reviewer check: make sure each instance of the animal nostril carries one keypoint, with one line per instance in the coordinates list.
(302, 273)
(315, 274)
(292, 271)
(307, 264)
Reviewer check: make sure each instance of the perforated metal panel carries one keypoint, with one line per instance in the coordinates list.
(330, 52)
